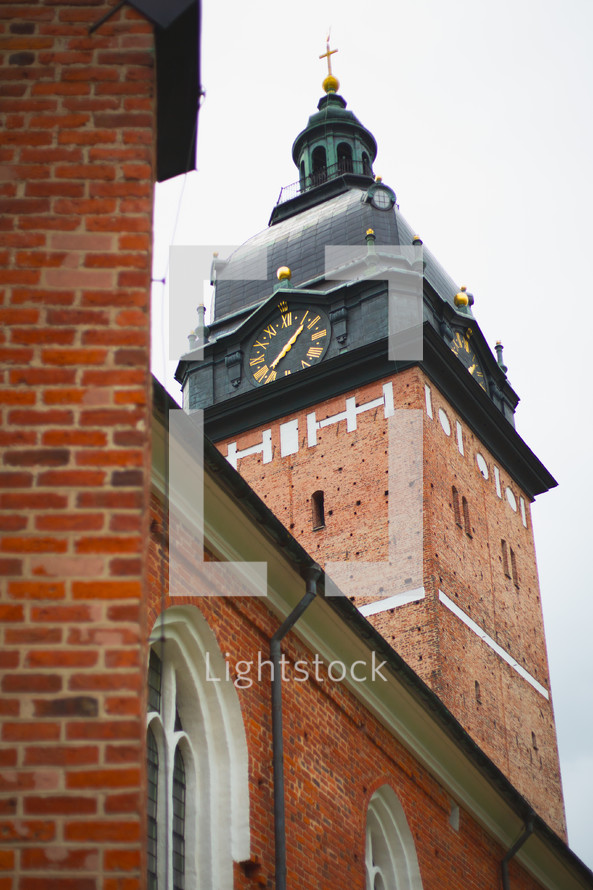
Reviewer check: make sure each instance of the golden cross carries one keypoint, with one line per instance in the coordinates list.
(327, 55)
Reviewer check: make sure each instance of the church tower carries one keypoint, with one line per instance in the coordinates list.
(345, 376)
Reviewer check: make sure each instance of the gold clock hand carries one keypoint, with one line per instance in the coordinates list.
(287, 346)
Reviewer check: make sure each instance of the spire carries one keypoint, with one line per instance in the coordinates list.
(334, 142)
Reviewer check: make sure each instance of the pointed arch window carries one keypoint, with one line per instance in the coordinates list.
(197, 778)
(390, 858)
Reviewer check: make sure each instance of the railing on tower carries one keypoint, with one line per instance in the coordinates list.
(323, 174)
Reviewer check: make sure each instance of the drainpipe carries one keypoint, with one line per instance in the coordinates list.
(277, 740)
(515, 849)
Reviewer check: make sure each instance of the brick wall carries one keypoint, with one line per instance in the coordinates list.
(76, 171)
(512, 722)
(336, 755)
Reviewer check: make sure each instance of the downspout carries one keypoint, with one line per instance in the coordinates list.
(515, 849)
(277, 740)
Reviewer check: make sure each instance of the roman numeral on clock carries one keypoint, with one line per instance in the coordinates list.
(259, 375)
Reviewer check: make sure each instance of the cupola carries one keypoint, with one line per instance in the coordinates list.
(334, 142)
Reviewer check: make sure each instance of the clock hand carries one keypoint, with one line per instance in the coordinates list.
(287, 346)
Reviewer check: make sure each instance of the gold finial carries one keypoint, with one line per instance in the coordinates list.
(283, 273)
(370, 231)
(331, 83)
(417, 240)
(461, 299)
(378, 179)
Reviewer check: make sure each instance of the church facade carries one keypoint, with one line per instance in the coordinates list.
(310, 654)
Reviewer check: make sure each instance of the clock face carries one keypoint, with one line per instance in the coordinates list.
(293, 338)
(382, 199)
(462, 348)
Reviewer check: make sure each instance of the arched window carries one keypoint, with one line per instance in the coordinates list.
(319, 172)
(390, 858)
(366, 165)
(344, 158)
(198, 797)
(318, 510)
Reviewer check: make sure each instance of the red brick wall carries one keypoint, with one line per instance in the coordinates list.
(336, 756)
(352, 470)
(76, 171)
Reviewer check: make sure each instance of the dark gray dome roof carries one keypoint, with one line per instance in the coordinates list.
(299, 242)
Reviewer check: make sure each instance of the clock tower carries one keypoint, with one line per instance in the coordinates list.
(398, 467)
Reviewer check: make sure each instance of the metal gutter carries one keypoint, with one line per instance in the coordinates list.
(277, 738)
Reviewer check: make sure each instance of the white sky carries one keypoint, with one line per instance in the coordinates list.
(482, 115)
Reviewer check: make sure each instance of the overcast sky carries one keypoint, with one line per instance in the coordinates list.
(482, 115)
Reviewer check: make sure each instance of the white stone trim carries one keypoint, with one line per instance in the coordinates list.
(289, 438)
(428, 400)
(264, 448)
(217, 799)
(350, 414)
(460, 438)
(391, 602)
(390, 850)
(502, 653)
(523, 512)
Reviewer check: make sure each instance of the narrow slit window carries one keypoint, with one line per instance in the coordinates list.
(466, 522)
(514, 571)
(155, 672)
(505, 558)
(477, 692)
(456, 511)
(178, 822)
(318, 510)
